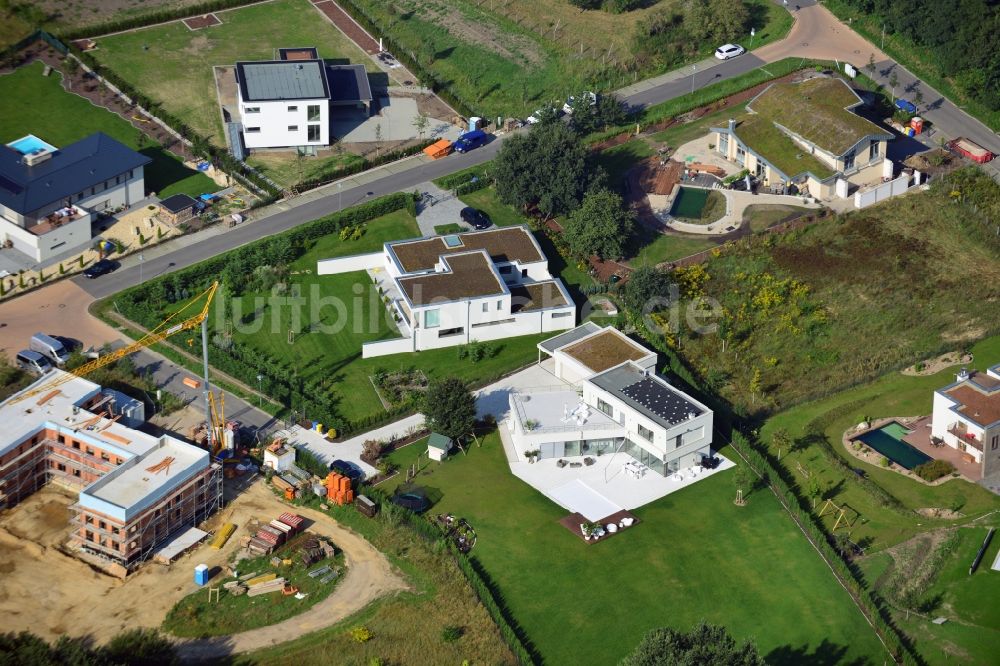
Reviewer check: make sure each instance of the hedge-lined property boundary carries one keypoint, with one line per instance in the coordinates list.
(153, 18)
(850, 577)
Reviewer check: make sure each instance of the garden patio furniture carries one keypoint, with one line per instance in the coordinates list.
(588, 461)
(576, 464)
(627, 521)
(612, 528)
(561, 463)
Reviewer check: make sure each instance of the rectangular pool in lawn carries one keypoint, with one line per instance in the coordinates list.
(690, 201)
(888, 440)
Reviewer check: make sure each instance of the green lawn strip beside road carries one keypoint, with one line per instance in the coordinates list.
(913, 58)
(195, 616)
(892, 395)
(34, 104)
(695, 556)
(174, 65)
(282, 167)
(500, 214)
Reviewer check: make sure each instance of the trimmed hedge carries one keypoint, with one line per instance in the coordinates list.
(758, 458)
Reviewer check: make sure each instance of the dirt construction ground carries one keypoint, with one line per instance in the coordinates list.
(50, 592)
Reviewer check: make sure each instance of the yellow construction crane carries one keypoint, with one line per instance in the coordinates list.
(165, 329)
(217, 427)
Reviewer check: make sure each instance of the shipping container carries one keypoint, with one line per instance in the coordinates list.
(292, 520)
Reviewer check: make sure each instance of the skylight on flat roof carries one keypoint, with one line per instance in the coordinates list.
(453, 241)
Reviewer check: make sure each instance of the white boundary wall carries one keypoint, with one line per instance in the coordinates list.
(351, 264)
(863, 199)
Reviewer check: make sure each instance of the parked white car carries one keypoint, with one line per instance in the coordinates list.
(727, 51)
(588, 97)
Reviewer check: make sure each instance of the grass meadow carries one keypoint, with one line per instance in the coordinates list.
(34, 104)
(173, 64)
(510, 57)
(695, 556)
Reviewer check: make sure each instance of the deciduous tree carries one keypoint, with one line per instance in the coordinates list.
(450, 408)
(705, 644)
(600, 226)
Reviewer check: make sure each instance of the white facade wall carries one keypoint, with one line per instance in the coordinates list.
(351, 264)
(695, 435)
(127, 193)
(944, 417)
(75, 234)
(274, 121)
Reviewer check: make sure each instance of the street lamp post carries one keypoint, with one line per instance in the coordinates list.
(140, 268)
(694, 70)
(260, 391)
(340, 197)
(752, 33)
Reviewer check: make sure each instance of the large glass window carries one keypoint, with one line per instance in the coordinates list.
(314, 133)
(875, 150)
(605, 407)
(432, 318)
(741, 155)
(252, 109)
(312, 112)
(645, 433)
(724, 144)
(849, 161)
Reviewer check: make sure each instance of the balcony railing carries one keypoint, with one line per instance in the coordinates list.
(961, 432)
(56, 219)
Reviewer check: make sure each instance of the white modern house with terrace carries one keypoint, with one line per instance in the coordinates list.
(967, 417)
(598, 431)
(49, 195)
(451, 290)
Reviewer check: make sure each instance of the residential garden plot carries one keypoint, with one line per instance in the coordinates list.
(695, 556)
(880, 526)
(173, 64)
(941, 560)
(34, 104)
(815, 310)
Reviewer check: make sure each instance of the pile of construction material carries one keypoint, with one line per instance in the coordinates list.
(275, 533)
(338, 489)
(292, 482)
(314, 550)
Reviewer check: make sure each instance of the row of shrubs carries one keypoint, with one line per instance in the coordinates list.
(759, 459)
(428, 78)
(484, 592)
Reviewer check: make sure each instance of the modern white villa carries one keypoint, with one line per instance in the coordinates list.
(451, 290)
(287, 102)
(49, 195)
(595, 429)
(967, 416)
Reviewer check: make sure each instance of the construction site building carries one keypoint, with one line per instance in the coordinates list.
(136, 490)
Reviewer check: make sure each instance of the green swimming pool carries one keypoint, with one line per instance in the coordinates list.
(690, 201)
(888, 440)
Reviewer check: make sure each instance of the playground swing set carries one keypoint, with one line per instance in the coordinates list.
(844, 519)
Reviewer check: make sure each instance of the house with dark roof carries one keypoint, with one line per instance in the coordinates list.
(450, 290)
(49, 195)
(611, 402)
(807, 133)
(966, 417)
(287, 102)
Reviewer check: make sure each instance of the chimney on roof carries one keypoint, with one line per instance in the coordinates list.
(963, 375)
(732, 124)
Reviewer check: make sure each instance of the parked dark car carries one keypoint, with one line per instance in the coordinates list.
(470, 141)
(345, 468)
(477, 218)
(710, 462)
(413, 501)
(100, 268)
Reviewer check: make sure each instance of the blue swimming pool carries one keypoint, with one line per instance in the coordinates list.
(888, 440)
(30, 144)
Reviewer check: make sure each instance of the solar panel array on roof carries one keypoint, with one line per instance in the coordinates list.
(660, 400)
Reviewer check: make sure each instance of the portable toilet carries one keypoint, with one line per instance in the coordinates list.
(201, 574)
(474, 123)
(917, 123)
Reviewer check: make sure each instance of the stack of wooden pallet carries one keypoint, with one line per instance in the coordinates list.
(266, 587)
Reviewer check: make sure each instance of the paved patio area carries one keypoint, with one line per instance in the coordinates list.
(920, 439)
(395, 116)
(601, 489)
(446, 209)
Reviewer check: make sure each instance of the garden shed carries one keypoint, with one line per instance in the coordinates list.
(178, 208)
(438, 446)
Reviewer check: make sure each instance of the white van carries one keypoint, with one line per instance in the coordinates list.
(49, 347)
(33, 362)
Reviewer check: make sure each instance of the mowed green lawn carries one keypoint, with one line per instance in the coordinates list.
(893, 395)
(173, 64)
(33, 104)
(695, 556)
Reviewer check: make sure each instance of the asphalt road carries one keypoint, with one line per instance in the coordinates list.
(694, 80)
